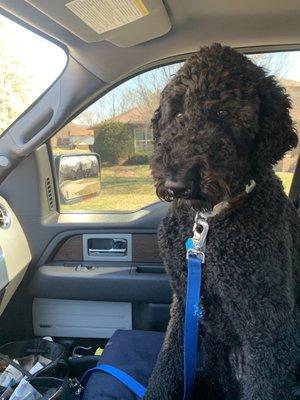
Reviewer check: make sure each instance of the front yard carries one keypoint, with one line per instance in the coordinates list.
(124, 188)
(128, 188)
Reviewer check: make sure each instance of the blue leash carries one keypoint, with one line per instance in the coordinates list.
(195, 248)
(193, 314)
(126, 379)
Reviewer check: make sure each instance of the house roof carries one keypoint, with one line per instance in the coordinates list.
(77, 130)
(289, 83)
(133, 116)
(139, 115)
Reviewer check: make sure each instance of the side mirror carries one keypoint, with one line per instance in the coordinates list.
(79, 177)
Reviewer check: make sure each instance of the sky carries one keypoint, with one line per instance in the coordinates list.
(294, 72)
(45, 61)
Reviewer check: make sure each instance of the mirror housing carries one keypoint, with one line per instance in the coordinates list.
(78, 176)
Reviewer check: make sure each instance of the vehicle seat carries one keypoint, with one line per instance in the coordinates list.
(134, 352)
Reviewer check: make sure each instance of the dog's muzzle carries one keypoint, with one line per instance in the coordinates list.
(177, 189)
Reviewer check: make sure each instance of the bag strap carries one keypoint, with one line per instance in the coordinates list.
(9, 361)
(126, 379)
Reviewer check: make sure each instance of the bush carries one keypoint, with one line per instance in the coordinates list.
(138, 159)
(114, 141)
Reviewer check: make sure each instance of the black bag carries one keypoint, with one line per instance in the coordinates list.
(53, 388)
(37, 348)
(51, 381)
(50, 388)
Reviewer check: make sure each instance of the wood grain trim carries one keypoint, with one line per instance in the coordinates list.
(70, 250)
(145, 248)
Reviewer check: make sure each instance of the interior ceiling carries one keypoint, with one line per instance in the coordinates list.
(148, 18)
(239, 23)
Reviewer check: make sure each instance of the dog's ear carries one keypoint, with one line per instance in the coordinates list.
(155, 124)
(276, 133)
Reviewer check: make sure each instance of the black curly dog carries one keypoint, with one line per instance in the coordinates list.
(222, 123)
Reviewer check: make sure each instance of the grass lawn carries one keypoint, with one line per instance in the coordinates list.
(286, 178)
(123, 188)
(129, 188)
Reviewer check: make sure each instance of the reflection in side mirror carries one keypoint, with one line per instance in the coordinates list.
(79, 177)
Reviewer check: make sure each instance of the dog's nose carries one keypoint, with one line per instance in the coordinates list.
(176, 188)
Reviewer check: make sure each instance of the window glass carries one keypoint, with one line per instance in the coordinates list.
(117, 128)
(285, 66)
(28, 66)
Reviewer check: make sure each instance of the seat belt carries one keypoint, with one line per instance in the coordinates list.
(195, 254)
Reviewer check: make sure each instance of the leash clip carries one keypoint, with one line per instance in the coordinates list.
(199, 238)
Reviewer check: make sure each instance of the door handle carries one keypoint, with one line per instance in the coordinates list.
(107, 247)
(107, 251)
(117, 247)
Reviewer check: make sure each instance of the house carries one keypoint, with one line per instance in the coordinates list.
(288, 163)
(74, 136)
(81, 137)
(143, 136)
(139, 119)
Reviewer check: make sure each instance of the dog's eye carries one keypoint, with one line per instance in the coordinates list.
(179, 116)
(222, 114)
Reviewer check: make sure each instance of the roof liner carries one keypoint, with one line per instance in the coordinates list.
(238, 23)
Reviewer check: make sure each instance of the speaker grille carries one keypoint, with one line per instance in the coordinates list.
(49, 192)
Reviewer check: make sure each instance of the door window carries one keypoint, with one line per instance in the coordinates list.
(117, 128)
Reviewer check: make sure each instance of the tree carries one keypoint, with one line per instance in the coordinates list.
(141, 93)
(14, 82)
(144, 91)
(114, 141)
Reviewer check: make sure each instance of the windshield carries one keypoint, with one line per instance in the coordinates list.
(28, 66)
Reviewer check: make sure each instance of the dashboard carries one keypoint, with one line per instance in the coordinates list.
(15, 254)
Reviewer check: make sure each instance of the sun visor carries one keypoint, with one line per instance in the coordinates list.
(124, 23)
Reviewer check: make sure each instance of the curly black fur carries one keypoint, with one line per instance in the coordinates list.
(222, 122)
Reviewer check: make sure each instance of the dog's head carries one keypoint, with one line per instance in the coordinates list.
(220, 122)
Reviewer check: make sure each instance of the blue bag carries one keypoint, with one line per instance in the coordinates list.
(135, 353)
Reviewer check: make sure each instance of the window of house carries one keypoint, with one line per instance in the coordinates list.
(28, 66)
(143, 139)
(117, 127)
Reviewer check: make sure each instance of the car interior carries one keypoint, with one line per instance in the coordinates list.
(80, 260)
